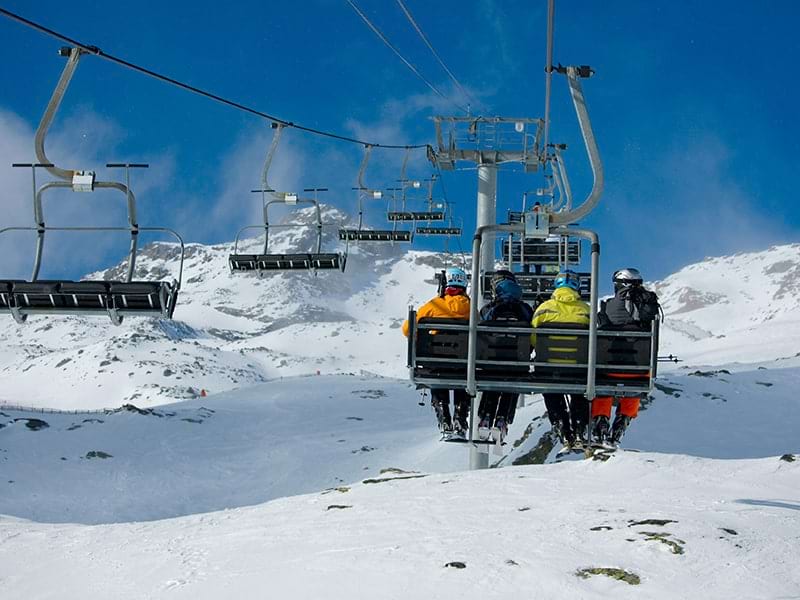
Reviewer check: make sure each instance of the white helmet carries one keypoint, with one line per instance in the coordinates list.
(625, 278)
(455, 277)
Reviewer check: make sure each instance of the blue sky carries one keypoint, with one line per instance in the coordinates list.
(693, 106)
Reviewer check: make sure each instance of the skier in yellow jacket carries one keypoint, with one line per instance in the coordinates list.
(568, 420)
(454, 304)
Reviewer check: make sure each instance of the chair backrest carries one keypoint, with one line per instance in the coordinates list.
(627, 354)
(504, 346)
(441, 344)
(565, 354)
(623, 351)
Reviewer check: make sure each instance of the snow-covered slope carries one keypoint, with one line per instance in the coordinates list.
(650, 526)
(302, 434)
(379, 520)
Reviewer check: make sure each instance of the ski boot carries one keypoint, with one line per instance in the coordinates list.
(558, 432)
(461, 420)
(501, 428)
(580, 435)
(600, 430)
(621, 423)
(484, 428)
(443, 417)
(460, 429)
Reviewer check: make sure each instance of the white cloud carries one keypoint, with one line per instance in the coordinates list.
(82, 140)
(690, 204)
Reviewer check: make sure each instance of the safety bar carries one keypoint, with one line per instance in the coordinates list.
(84, 229)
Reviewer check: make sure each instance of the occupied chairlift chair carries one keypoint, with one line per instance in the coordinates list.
(112, 298)
(462, 362)
(266, 262)
(360, 234)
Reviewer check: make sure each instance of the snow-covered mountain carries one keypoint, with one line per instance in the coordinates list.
(229, 330)
(741, 308)
(232, 331)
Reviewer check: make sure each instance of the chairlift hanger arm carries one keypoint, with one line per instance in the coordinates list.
(74, 55)
(276, 138)
(563, 178)
(363, 167)
(576, 91)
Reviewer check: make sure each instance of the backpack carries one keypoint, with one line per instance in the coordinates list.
(643, 305)
(507, 310)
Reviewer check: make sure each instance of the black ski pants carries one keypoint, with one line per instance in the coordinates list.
(495, 405)
(441, 397)
(571, 411)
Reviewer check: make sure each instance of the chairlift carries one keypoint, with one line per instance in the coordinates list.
(441, 230)
(270, 262)
(360, 234)
(116, 299)
(406, 215)
(480, 357)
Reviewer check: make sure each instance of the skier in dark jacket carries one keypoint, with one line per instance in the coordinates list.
(631, 308)
(498, 408)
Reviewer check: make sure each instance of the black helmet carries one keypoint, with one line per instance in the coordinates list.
(502, 275)
(627, 278)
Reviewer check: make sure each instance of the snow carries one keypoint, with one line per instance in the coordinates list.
(733, 532)
(284, 482)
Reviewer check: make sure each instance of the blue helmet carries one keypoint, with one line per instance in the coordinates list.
(508, 289)
(455, 277)
(568, 278)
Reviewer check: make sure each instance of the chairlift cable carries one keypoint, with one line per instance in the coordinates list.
(548, 69)
(90, 49)
(422, 35)
(391, 46)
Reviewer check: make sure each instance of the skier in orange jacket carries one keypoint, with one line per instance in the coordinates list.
(453, 304)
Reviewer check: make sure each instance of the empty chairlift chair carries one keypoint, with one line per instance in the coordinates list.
(432, 214)
(359, 234)
(268, 262)
(21, 298)
(113, 298)
(535, 257)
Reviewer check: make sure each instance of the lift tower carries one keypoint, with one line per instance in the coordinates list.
(488, 142)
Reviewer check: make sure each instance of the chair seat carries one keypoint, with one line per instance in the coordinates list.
(84, 287)
(284, 262)
(374, 235)
(137, 287)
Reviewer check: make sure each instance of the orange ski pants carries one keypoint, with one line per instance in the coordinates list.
(628, 406)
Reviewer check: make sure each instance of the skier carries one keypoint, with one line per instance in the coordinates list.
(631, 308)
(453, 304)
(568, 420)
(498, 408)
